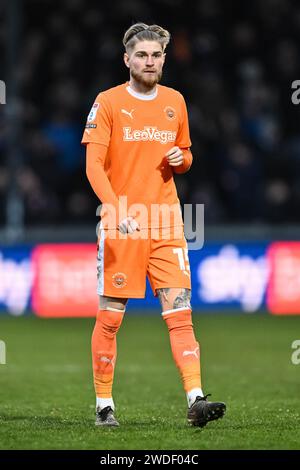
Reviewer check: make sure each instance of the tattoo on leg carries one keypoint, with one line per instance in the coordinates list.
(172, 298)
(183, 299)
(163, 295)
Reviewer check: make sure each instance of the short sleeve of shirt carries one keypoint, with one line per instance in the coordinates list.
(99, 122)
(183, 135)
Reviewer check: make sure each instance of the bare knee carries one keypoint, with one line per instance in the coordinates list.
(112, 302)
(172, 298)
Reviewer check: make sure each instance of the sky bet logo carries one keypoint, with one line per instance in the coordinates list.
(2, 92)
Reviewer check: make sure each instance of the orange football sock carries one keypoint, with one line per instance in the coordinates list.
(104, 349)
(185, 349)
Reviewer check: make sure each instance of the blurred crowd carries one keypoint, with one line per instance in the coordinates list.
(233, 61)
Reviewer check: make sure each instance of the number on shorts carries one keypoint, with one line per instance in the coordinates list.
(183, 259)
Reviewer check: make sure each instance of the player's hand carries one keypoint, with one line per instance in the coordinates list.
(128, 225)
(175, 156)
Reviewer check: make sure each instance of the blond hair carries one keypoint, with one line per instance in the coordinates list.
(143, 32)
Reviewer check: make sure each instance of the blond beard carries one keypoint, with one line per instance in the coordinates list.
(148, 84)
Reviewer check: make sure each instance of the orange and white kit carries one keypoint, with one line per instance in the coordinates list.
(132, 137)
(123, 264)
(127, 138)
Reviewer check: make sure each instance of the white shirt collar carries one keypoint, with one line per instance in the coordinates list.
(141, 96)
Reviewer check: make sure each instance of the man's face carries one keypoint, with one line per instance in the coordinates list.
(145, 63)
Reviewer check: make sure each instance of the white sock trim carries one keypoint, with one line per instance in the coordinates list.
(111, 309)
(174, 310)
(104, 402)
(193, 394)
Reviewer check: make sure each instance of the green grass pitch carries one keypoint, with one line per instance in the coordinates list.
(47, 396)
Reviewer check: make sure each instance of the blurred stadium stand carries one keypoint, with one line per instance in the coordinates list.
(233, 61)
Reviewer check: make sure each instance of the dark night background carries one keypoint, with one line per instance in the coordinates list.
(233, 61)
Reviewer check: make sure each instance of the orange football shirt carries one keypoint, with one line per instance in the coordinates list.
(138, 133)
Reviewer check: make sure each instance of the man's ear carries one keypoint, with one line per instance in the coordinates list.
(126, 59)
(164, 57)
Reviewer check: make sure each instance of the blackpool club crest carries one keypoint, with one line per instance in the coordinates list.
(170, 113)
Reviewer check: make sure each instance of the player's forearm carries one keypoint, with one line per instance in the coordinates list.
(113, 214)
(95, 157)
(187, 162)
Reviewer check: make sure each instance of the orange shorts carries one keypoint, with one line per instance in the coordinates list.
(123, 264)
